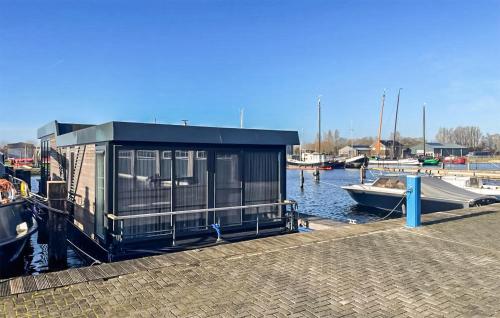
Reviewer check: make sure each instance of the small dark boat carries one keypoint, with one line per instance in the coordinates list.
(387, 193)
(313, 161)
(356, 162)
(17, 223)
(16, 226)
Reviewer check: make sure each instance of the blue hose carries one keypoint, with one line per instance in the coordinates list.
(216, 227)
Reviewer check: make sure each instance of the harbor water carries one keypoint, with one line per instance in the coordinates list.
(324, 198)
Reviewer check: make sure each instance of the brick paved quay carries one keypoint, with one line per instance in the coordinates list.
(450, 267)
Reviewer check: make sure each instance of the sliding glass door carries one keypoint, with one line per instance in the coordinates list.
(228, 187)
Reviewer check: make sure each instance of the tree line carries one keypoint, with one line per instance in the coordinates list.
(468, 136)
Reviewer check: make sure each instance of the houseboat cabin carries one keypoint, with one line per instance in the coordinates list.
(134, 185)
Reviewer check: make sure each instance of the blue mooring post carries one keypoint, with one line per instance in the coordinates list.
(413, 207)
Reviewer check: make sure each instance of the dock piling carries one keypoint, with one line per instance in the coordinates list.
(362, 174)
(301, 179)
(413, 204)
(316, 174)
(57, 193)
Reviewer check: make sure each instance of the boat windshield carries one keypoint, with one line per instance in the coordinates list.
(390, 183)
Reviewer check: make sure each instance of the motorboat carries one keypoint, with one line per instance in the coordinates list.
(17, 223)
(356, 162)
(388, 193)
(430, 161)
(455, 160)
(473, 184)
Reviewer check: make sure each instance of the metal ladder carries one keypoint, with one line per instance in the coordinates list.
(74, 175)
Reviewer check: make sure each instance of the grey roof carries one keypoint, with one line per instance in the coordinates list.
(75, 134)
(433, 145)
(361, 146)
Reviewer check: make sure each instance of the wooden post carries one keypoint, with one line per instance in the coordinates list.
(301, 179)
(57, 193)
(362, 174)
(316, 174)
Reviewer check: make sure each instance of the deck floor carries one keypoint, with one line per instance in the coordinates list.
(450, 267)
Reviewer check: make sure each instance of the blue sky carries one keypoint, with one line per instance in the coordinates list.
(97, 61)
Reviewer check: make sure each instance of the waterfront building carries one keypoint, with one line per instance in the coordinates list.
(120, 174)
(436, 149)
(354, 150)
(386, 149)
(19, 150)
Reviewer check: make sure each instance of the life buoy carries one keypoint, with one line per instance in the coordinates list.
(7, 191)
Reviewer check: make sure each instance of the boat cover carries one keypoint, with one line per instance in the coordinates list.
(435, 188)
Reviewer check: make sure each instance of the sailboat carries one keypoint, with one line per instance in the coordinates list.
(394, 160)
(314, 160)
(427, 161)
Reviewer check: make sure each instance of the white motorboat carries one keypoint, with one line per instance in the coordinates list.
(473, 184)
(387, 193)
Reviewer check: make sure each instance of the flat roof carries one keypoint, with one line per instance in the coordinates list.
(75, 134)
(434, 145)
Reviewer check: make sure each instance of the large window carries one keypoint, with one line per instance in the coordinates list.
(153, 181)
(262, 183)
(144, 186)
(191, 188)
(228, 187)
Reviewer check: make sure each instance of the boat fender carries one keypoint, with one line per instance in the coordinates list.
(24, 189)
(21, 228)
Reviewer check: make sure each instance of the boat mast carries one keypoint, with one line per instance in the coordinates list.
(380, 124)
(423, 124)
(395, 126)
(319, 124)
(352, 140)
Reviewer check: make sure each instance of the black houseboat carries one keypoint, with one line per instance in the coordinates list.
(137, 186)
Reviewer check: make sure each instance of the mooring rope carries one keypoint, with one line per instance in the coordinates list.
(39, 204)
(94, 261)
(394, 209)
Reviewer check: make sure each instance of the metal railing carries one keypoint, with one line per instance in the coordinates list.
(290, 216)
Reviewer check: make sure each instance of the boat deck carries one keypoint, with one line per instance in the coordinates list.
(448, 267)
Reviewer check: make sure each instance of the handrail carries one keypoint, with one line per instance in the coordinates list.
(137, 216)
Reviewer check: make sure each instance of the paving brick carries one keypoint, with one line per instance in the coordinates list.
(446, 268)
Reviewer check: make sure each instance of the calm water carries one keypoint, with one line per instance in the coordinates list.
(326, 198)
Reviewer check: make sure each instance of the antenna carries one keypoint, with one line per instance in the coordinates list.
(185, 121)
(242, 112)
